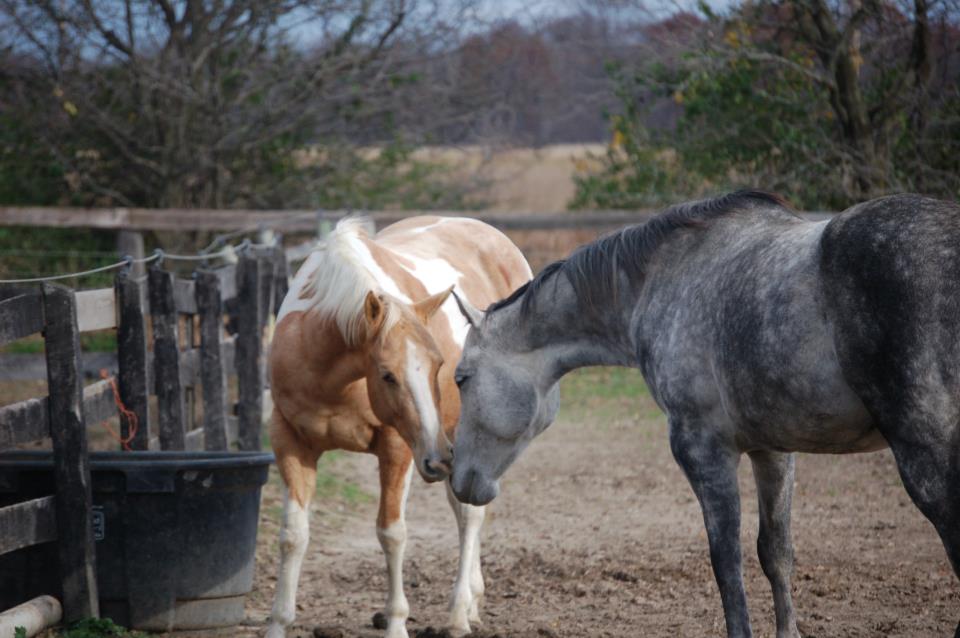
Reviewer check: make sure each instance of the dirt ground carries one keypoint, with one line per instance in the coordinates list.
(596, 533)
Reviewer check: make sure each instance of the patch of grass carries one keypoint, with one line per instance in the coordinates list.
(98, 628)
(331, 486)
(606, 393)
(102, 341)
(603, 382)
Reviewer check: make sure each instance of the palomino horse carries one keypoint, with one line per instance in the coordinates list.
(362, 360)
(757, 332)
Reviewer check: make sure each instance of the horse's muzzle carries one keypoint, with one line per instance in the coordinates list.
(471, 487)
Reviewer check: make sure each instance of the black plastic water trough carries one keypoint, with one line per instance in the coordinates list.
(176, 535)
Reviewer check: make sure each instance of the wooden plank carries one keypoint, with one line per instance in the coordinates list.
(229, 354)
(71, 464)
(265, 287)
(166, 360)
(189, 367)
(96, 309)
(23, 422)
(228, 281)
(194, 440)
(212, 371)
(130, 244)
(184, 297)
(28, 523)
(249, 354)
(281, 274)
(233, 430)
(133, 376)
(99, 403)
(20, 316)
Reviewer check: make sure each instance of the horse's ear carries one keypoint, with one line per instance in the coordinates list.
(374, 310)
(471, 314)
(427, 307)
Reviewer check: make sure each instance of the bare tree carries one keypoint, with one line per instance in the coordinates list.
(189, 103)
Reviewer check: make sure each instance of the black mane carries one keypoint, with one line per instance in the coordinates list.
(592, 269)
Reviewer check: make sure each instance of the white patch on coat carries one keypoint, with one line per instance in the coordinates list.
(293, 545)
(416, 375)
(393, 541)
(437, 275)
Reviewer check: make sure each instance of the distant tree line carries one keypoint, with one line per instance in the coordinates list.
(826, 103)
(299, 103)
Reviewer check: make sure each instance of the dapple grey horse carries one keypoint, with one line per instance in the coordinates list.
(757, 332)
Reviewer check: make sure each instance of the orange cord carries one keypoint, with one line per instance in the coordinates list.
(125, 413)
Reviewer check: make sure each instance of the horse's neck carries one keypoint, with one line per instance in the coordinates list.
(335, 366)
(572, 336)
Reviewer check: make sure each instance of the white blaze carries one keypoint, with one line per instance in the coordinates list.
(419, 384)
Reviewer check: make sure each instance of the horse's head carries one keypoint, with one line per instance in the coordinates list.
(506, 399)
(402, 366)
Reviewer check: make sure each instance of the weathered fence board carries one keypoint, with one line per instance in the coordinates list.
(193, 442)
(96, 309)
(20, 316)
(71, 464)
(212, 371)
(28, 523)
(99, 403)
(249, 355)
(132, 358)
(166, 361)
(24, 422)
(184, 297)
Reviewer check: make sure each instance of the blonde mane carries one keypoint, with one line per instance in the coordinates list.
(340, 279)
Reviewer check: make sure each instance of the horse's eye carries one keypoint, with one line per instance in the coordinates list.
(460, 379)
(389, 378)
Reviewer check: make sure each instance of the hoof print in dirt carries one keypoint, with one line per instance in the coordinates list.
(379, 620)
(328, 632)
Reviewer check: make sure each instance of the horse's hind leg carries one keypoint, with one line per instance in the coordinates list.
(468, 588)
(298, 468)
(930, 472)
(711, 467)
(395, 472)
(773, 472)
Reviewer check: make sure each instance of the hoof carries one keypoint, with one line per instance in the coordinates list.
(379, 621)
(276, 631)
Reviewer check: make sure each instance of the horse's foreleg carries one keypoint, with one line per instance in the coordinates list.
(773, 473)
(395, 471)
(468, 588)
(298, 468)
(711, 468)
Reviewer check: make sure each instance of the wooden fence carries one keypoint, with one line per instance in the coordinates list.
(202, 331)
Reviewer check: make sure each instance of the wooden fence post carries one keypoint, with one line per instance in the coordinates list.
(166, 361)
(132, 357)
(249, 352)
(71, 463)
(130, 244)
(212, 374)
(281, 273)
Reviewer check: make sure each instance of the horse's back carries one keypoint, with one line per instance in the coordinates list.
(891, 276)
(483, 262)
